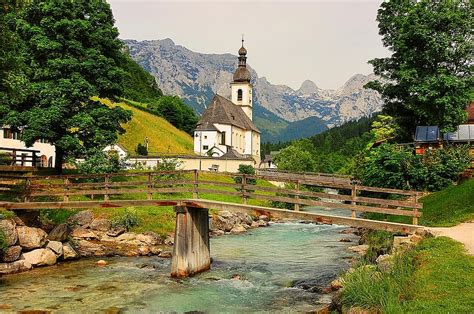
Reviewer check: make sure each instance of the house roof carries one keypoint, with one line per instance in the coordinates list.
(464, 133)
(233, 154)
(223, 111)
(427, 134)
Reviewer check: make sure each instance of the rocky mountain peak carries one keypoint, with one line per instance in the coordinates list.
(307, 88)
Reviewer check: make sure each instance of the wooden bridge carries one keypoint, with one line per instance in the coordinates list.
(193, 193)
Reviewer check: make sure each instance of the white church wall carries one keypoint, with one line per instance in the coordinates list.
(204, 141)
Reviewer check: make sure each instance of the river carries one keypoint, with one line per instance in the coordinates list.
(268, 260)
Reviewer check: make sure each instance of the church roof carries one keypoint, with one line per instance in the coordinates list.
(233, 154)
(242, 74)
(223, 111)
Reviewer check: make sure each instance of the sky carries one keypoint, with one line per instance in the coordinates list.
(288, 42)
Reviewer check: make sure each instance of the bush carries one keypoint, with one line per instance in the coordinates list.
(3, 241)
(127, 219)
(398, 167)
(141, 150)
(6, 214)
(246, 169)
(100, 162)
(5, 159)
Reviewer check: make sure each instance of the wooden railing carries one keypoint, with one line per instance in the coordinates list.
(290, 191)
(20, 157)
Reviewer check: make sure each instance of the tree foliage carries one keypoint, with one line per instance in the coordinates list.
(246, 169)
(142, 150)
(383, 128)
(13, 81)
(173, 109)
(138, 84)
(296, 157)
(71, 53)
(99, 161)
(428, 78)
(392, 166)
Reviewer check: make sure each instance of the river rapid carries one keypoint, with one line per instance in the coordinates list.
(273, 269)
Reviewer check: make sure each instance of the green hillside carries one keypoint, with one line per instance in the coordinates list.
(163, 137)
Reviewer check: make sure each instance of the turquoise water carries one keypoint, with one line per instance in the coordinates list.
(269, 262)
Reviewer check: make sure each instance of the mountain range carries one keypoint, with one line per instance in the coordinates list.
(280, 112)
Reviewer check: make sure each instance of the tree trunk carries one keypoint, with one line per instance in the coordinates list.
(58, 163)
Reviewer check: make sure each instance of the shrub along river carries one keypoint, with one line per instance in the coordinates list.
(278, 268)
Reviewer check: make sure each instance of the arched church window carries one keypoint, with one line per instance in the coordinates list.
(239, 95)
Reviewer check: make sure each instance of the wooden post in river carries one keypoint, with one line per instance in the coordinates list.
(191, 253)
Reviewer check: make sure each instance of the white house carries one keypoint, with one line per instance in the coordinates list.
(119, 149)
(41, 154)
(226, 129)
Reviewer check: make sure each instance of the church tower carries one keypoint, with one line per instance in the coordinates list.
(241, 87)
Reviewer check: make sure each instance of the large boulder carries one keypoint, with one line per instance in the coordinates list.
(56, 247)
(69, 252)
(60, 233)
(100, 224)
(385, 263)
(149, 238)
(238, 229)
(359, 249)
(82, 218)
(8, 228)
(83, 233)
(31, 238)
(12, 254)
(245, 218)
(115, 232)
(40, 257)
(223, 223)
(87, 249)
(15, 267)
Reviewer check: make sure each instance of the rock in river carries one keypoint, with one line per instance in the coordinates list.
(69, 252)
(12, 253)
(15, 267)
(60, 233)
(56, 247)
(81, 218)
(31, 238)
(40, 257)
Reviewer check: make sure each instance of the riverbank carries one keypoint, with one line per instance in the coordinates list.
(33, 241)
(421, 274)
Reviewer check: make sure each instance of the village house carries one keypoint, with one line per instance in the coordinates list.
(226, 130)
(41, 154)
(429, 137)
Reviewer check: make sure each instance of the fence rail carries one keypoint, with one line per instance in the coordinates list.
(292, 191)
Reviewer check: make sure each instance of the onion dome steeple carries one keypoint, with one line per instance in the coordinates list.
(242, 74)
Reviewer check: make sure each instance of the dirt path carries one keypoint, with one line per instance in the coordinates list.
(463, 233)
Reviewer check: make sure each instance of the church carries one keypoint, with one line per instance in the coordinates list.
(226, 129)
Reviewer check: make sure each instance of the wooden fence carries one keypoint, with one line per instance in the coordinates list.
(295, 191)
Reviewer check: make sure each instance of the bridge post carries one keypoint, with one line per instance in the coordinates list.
(353, 196)
(196, 184)
(244, 196)
(297, 196)
(191, 252)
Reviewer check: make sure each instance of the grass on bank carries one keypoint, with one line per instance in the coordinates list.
(444, 208)
(437, 276)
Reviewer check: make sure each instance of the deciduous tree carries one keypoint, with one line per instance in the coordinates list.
(71, 54)
(428, 77)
